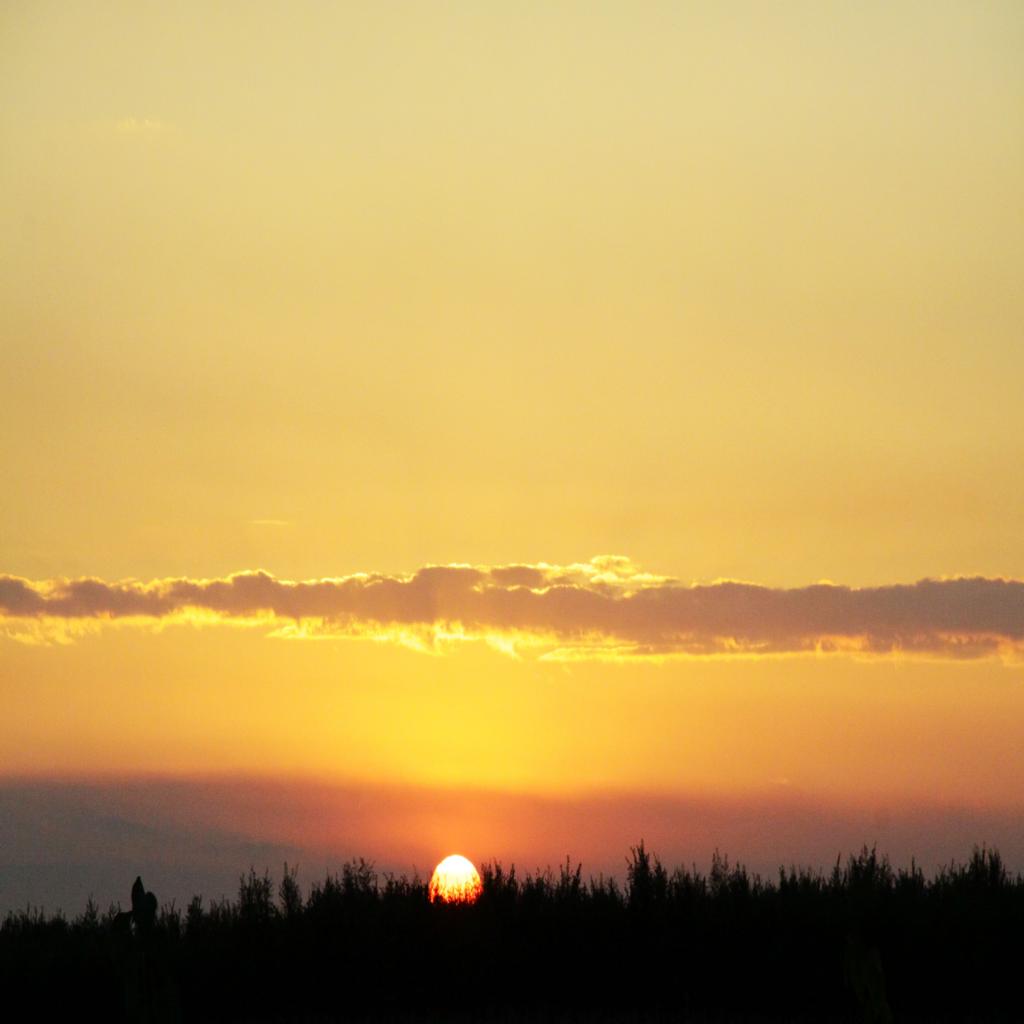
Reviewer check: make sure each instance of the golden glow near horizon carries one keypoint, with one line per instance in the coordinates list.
(338, 340)
(455, 880)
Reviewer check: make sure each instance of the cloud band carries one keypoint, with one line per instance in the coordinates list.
(602, 608)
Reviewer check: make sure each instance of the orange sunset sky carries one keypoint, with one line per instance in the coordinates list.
(508, 428)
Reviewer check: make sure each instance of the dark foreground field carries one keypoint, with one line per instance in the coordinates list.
(863, 943)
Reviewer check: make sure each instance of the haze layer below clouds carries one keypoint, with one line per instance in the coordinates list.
(62, 842)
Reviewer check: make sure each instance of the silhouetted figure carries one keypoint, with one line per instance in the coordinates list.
(142, 915)
(144, 907)
(148, 992)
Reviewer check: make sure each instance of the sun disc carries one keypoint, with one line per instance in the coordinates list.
(455, 880)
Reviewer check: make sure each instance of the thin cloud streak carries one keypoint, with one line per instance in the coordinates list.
(605, 608)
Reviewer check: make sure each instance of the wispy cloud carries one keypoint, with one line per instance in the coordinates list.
(132, 125)
(604, 608)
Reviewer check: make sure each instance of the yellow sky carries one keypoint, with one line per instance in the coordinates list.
(731, 289)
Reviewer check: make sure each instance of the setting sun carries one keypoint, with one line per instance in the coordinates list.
(455, 880)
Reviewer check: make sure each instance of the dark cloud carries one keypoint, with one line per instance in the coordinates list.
(601, 607)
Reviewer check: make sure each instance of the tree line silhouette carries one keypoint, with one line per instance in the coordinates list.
(864, 942)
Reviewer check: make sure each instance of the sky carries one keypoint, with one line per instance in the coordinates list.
(507, 429)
